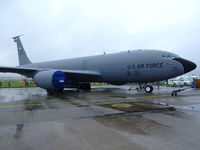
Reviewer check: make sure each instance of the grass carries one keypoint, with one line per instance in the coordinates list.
(99, 84)
(15, 84)
(21, 84)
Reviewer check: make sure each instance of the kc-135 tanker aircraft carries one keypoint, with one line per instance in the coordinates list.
(140, 66)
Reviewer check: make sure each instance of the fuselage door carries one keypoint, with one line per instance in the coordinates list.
(84, 64)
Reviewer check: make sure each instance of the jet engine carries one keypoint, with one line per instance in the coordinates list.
(50, 79)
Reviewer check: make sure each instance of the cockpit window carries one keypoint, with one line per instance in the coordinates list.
(170, 56)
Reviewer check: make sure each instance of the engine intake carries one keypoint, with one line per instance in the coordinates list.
(50, 79)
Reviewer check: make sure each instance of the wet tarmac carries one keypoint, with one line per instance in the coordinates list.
(107, 117)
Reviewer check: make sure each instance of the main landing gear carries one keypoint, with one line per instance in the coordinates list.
(55, 92)
(84, 86)
(80, 86)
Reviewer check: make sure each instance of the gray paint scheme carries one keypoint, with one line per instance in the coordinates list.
(118, 68)
(114, 67)
(23, 59)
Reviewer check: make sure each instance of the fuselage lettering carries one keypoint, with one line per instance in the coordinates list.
(145, 66)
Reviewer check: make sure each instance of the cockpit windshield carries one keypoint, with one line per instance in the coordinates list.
(170, 56)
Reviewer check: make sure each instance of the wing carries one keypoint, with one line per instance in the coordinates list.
(71, 74)
(18, 70)
(81, 75)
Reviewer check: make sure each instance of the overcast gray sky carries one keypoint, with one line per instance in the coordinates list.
(57, 29)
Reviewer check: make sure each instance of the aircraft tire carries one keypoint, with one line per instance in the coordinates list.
(148, 89)
(50, 92)
(84, 86)
(54, 92)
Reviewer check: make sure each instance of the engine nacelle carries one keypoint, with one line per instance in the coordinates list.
(50, 79)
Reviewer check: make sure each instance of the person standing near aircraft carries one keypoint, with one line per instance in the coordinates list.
(26, 82)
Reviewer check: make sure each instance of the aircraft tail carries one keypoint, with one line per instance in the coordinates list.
(23, 59)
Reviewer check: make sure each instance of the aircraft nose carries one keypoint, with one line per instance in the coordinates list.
(187, 65)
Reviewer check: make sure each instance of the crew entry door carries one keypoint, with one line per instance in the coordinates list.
(84, 64)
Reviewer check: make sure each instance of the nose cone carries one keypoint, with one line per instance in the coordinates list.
(187, 65)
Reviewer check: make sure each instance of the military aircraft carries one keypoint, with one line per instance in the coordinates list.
(140, 66)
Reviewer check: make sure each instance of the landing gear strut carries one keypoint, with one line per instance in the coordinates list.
(147, 88)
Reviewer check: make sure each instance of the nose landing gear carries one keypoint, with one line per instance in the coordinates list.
(148, 88)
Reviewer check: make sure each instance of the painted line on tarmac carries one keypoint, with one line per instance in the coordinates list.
(83, 101)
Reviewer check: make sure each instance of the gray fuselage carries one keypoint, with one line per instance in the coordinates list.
(124, 67)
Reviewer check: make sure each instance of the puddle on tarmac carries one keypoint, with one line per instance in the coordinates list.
(138, 107)
(133, 124)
